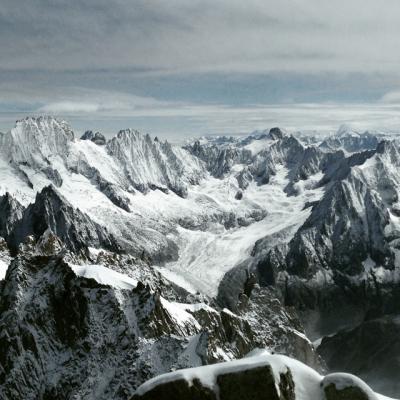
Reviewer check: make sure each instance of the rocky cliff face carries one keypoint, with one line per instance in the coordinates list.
(70, 331)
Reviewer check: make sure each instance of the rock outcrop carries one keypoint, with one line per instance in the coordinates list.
(96, 137)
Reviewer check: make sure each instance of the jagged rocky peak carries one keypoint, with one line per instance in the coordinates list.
(350, 140)
(51, 211)
(275, 133)
(151, 164)
(49, 244)
(96, 137)
(36, 140)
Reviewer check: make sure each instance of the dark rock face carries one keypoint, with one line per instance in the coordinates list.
(179, 389)
(342, 386)
(10, 212)
(371, 351)
(96, 138)
(348, 393)
(239, 195)
(248, 384)
(53, 175)
(275, 133)
(255, 383)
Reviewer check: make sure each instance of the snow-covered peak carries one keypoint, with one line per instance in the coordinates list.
(350, 141)
(34, 141)
(346, 130)
(149, 163)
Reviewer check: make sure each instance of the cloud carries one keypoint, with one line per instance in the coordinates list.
(201, 36)
(68, 107)
(392, 97)
(72, 100)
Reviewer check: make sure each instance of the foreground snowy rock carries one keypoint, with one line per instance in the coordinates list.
(260, 375)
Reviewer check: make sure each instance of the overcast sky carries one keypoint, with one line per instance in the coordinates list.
(187, 67)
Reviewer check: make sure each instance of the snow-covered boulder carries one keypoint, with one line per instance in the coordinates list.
(259, 376)
(340, 386)
(263, 378)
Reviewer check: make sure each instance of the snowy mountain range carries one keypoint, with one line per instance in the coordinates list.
(127, 258)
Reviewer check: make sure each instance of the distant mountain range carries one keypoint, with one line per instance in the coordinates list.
(127, 258)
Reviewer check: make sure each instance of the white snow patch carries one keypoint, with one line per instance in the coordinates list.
(179, 313)
(258, 145)
(175, 278)
(104, 275)
(3, 269)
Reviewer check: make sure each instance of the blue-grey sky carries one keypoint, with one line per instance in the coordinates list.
(181, 68)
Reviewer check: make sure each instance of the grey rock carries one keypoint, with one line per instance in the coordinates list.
(96, 138)
(275, 133)
(11, 212)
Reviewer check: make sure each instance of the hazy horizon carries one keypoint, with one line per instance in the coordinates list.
(203, 121)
